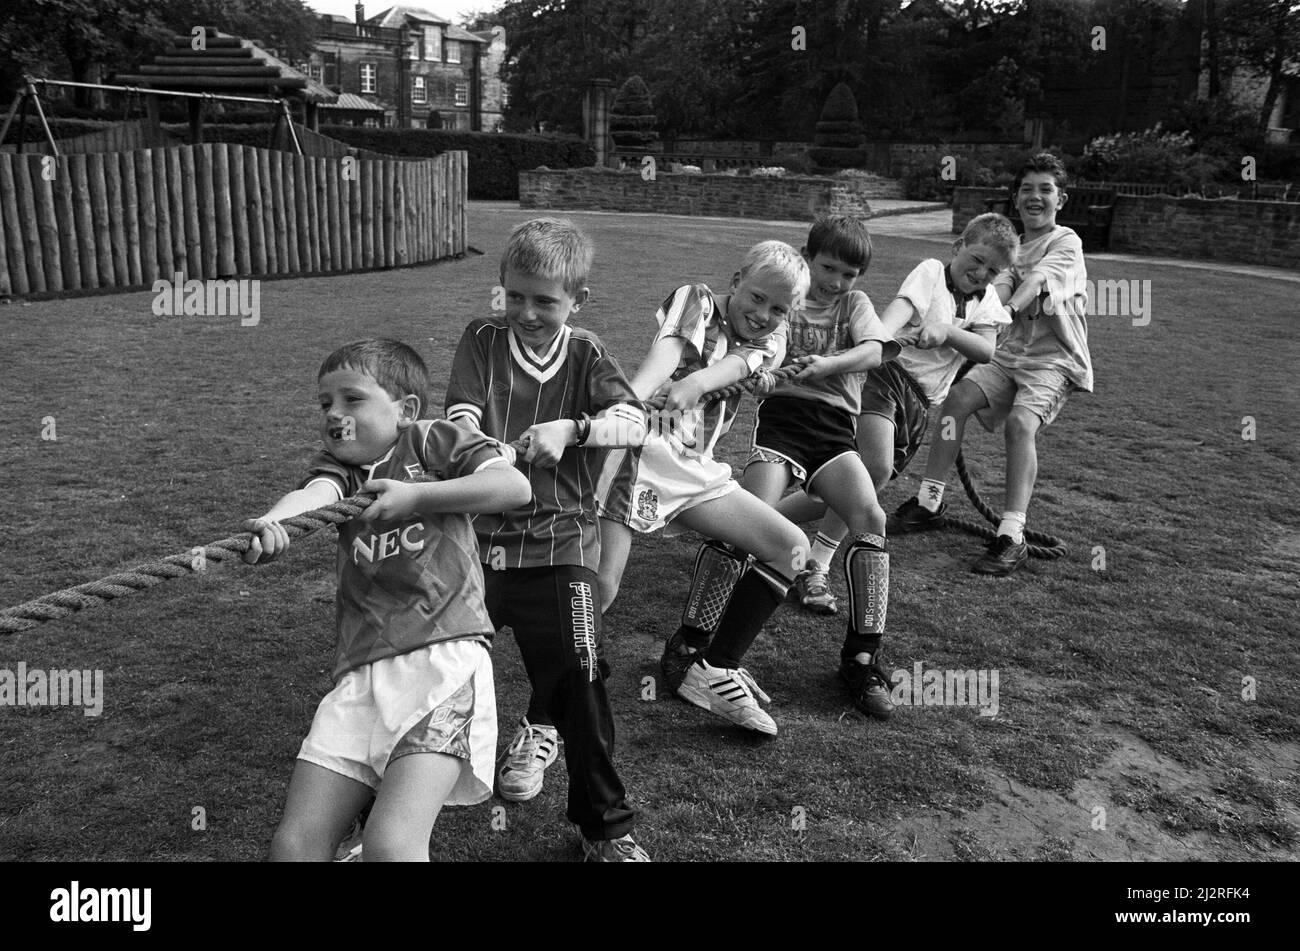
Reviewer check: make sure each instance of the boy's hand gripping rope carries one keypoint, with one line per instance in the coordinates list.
(60, 604)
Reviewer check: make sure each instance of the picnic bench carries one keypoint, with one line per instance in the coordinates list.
(1088, 210)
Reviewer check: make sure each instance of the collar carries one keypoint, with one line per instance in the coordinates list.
(957, 295)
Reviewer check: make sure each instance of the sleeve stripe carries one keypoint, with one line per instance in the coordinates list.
(494, 461)
(626, 412)
(465, 409)
(327, 480)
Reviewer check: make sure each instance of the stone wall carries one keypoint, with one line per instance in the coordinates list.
(790, 198)
(1206, 229)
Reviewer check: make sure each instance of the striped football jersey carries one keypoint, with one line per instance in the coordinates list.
(405, 583)
(693, 313)
(503, 387)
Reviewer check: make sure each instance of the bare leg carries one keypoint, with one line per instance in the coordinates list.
(615, 543)
(1022, 458)
(410, 797)
(964, 398)
(320, 806)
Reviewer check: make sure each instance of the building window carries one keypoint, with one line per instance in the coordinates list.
(417, 90)
(433, 43)
(462, 94)
(368, 77)
(453, 51)
(330, 70)
(417, 46)
(370, 122)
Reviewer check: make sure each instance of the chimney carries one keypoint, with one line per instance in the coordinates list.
(361, 14)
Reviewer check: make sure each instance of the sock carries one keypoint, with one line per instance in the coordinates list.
(1013, 524)
(930, 495)
(695, 638)
(823, 549)
(759, 592)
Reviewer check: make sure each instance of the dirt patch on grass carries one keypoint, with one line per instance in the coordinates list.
(1135, 806)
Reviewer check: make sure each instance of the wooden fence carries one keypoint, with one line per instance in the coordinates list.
(124, 219)
(135, 134)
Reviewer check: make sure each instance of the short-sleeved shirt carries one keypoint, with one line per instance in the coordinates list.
(1033, 344)
(929, 290)
(825, 329)
(504, 388)
(405, 583)
(694, 314)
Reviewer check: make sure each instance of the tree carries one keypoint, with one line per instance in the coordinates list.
(1262, 36)
(839, 139)
(632, 118)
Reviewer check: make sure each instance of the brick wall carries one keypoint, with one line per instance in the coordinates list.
(1207, 229)
(727, 196)
(1216, 229)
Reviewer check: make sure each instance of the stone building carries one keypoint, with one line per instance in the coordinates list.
(411, 63)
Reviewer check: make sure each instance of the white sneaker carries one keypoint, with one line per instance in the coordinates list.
(728, 693)
(522, 765)
(814, 587)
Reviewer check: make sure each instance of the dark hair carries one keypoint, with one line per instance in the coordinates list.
(841, 236)
(1042, 162)
(393, 365)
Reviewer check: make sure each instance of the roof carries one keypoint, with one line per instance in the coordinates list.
(403, 13)
(350, 100)
(226, 64)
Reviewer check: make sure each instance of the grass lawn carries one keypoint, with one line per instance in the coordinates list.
(1122, 731)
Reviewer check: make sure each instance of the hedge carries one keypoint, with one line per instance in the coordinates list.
(495, 158)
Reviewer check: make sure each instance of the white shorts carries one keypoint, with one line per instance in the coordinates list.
(646, 487)
(1041, 391)
(436, 699)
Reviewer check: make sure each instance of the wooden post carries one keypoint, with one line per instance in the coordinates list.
(221, 184)
(279, 228)
(290, 194)
(298, 167)
(253, 213)
(367, 213)
(46, 220)
(390, 209)
(337, 219)
(268, 209)
(162, 213)
(345, 174)
(179, 198)
(67, 225)
(17, 257)
(79, 186)
(437, 166)
(322, 218)
(103, 242)
(130, 216)
(30, 227)
(239, 208)
(148, 215)
(399, 255)
(354, 196)
(196, 121)
(208, 225)
(6, 285)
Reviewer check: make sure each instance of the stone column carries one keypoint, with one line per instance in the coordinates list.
(596, 96)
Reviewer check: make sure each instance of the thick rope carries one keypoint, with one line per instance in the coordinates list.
(60, 604)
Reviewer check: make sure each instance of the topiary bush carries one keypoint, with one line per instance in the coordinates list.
(839, 140)
(632, 120)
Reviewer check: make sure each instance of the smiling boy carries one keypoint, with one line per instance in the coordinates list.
(942, 316)
(706, 342)
(532, 377)
(1042, 357)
